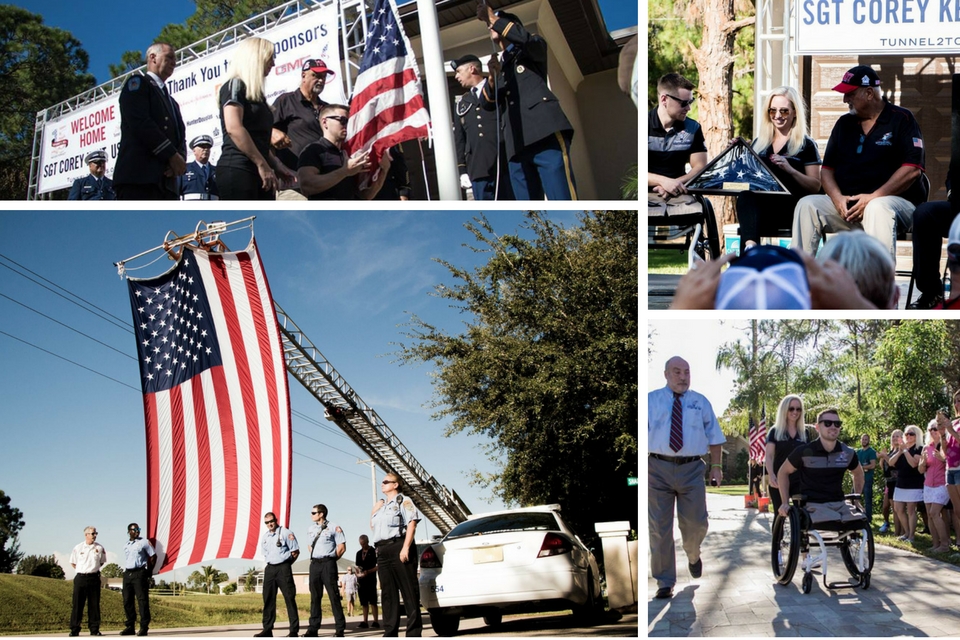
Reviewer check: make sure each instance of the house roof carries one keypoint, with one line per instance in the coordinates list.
(580, 20)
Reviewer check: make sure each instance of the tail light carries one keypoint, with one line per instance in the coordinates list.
(554, 545)
(429, 559)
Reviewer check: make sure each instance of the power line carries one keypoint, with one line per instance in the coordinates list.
(313, 421)
(330, 465)
(352, 455)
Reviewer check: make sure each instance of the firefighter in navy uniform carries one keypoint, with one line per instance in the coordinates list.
(94, 186)
(477, 138)
(536, 131)
(200, 180)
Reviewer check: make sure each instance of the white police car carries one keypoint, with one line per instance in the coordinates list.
(515, 561)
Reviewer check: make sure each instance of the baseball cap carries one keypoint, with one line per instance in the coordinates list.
(317, 66)
(764, 277)
(464, 60)
(201, 141)
(859, 76)
(95, 156)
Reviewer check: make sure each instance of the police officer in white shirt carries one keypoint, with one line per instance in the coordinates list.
(139, 559)
(280, 550)
(328, 544)
(87, 558)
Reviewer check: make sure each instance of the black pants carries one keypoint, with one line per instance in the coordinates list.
(279, 576)
(396, 576)
(764, 214)
(143, 192)
(237, 184)
(136, 588)
(931, 223)
(86, 589)
(323, 575)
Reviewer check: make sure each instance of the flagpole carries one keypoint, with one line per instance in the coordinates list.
(444, 152)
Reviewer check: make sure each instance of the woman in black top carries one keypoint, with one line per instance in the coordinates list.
(890, 484)
(785, 148)
(247, 168)
(788, 433)
(909, 489)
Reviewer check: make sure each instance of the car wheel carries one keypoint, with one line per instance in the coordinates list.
(444, 624)
(493, 619)
(586, 614)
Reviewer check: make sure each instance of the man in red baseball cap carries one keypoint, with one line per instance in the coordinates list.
(295, 120)
(871, 169)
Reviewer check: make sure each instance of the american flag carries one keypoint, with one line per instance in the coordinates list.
(216, 406)
(758, 437)
(387, 105)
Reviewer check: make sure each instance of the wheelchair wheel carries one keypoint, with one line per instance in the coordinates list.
(785, 547)
(807, 583)
(850, 550)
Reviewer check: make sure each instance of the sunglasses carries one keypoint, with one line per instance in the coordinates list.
(314, 513)
(269, 522)
(134, 529)
(794, 409)
(341, 119)
(389, 482)
(932, 429)
(831, 423)
(911, 435)
(683, 103)
(783, 112)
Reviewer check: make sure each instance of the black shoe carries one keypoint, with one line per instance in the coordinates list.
(362, 625)
(128, 631)
(95, 633)
(311, 634)
(664, 593)
(142, 632)
(292, 635)
(926, 301)
(263, 634)
(375, 625)
(696, 569)
(74, 634)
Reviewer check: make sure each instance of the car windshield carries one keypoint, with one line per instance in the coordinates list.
(531, 521)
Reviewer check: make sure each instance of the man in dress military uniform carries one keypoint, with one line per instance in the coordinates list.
(87, 558)
(328, 544)
(280, 550)
(296, 119)
(94, 186)
(152, 134)
(537, 132)
(200, 180)
(139, 559)
(394, 523)
(481, 156)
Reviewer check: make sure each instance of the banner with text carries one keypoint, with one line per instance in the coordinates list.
(891, 27)
(196, 86)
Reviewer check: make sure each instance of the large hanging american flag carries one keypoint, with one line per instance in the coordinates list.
(387, 106)
(216, 406)
(758, 437)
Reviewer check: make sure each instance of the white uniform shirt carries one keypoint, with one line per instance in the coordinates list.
(700, 426)
(88, 558)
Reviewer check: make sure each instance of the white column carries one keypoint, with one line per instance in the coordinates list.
(620, 565)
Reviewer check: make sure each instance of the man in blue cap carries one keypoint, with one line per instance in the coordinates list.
(478, 133)
(200, 180)
(95, 186)
(536, 131)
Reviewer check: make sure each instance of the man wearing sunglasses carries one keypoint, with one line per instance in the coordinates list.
(822, 465)
(673, 139)
(326, 173)
(871, 172)
(328, 544)
(87, 558)
(139, 560)
(280, 550)
(95, 186)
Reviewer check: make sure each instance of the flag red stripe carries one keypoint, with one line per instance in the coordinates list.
(391, 82)
(153, 465)
(205, 485)
(179, 489)
(248, 398)
(231, 479)
(388, 117)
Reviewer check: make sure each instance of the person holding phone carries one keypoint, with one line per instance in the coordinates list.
(681, 429)
(951, 448)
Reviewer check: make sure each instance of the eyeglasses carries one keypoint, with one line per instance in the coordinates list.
(783, 112)
(389, 482)
(794, 409)
(314, 513)
(341, 119)
(134, 529)
(831, 423)
(932, 429)
(91, 533)
(911, 435)
(683, 103)
(860, 146)
(953, 251)
(269, 522)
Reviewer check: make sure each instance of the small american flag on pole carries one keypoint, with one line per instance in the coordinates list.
(758, 437)
(387, 106)
(216, 406)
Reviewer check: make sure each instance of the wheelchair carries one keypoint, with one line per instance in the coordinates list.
(797, 533)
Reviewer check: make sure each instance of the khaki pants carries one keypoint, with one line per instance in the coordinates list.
(816, 215)
(679, 485)
(290, 194)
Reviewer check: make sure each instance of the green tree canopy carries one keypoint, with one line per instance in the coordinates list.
(39, 67)
(11, 521)
(208, 579)
(112, 570)
(41, 566)
(547, 364)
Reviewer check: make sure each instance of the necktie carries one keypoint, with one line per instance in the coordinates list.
(676, 424)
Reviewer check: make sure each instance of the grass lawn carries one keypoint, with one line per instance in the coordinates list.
(667, 261)
(730, 489)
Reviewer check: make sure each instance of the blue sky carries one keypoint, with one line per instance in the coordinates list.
(134, 25)
(74, 449)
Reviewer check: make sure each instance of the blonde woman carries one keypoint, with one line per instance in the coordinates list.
(247, 168)
(792, 156)
(933, 466)
(909, 489)
(788, 433)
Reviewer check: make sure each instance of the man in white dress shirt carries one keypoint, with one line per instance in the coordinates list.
(87, 558)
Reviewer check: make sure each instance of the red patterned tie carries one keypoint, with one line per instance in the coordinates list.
(676, 424)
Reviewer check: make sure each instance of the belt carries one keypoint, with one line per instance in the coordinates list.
(386, 542)
(323, 559)
(676, 459)
(200, 196)
(136, 569)
(95, 573)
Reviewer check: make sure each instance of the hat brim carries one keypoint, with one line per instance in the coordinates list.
(323, 70)
(843, 87)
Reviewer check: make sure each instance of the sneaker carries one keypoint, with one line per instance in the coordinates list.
(696, 569)
(926, 301)
(884, 528)
(664, 593)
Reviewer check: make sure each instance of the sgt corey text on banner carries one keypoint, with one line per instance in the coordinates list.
(216, 406)
(195, 86)
(893, 27)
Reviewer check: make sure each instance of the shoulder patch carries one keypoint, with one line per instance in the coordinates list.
(134, 83)
(291, 537)
(339, 530)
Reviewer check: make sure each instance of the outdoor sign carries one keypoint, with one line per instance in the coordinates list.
(884, 27)
(631, 481)
(196, 87)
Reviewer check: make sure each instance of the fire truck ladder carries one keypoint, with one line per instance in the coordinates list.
(358, 420)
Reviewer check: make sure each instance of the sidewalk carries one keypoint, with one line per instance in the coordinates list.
(737, 595)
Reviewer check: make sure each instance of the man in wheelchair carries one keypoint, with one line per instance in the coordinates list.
(821, 513)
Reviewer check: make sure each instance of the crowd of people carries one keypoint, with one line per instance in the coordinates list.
(392, 557)
(869, 184)
(293, 149)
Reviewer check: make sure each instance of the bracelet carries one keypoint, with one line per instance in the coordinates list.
(717, 465)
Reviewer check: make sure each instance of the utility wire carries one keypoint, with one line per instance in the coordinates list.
(330, 465)
(303, 416)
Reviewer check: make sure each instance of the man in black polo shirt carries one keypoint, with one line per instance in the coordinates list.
(673, 141)
(326, 173)
(870, 172)
(296, 118)
(822, 464)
